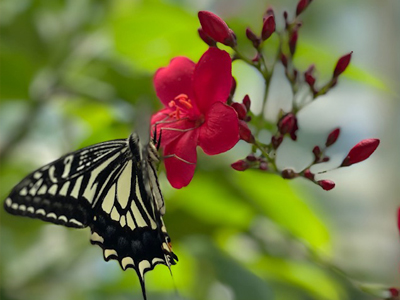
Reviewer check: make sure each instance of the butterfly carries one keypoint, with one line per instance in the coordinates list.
(111, 187)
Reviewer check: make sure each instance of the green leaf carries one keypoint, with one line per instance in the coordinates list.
(150, 33)
(17, 71)
(305, 275)
(222, 268)
(212, 203)
(279, 202)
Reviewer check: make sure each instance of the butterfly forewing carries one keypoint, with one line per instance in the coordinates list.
(111, 187)
(63, 191)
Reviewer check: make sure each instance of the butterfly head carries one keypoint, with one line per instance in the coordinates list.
(149, 153)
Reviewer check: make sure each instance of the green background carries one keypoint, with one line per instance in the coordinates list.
(74, 73)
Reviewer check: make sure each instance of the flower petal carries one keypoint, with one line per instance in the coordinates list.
(175, 79)
(160, 116)
(220, 131)
(180, 159)
(168, 128)
(212, 78)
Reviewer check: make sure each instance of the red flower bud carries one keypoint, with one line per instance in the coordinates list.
(310, 69)
(251, 157)
(269, 12)
(308, 76)
(216, 28)
(240, 165)
(276, 141)
(268, 27)
(398, 219)
(309, 175)
(284, 60)
(309, 79)
(289, 174)
(246, 101)
(234, 39)
(332, 137)
(293, 135)
(342, 64)
(301, 6)
(253, 37)
(263, 166)
(206, 39)
(245, 133)
(293, 41)
(326, 184)
(394, 292)
(360, 152)
(287, 123)
(240, 110)
(317, 153)
(285, 17)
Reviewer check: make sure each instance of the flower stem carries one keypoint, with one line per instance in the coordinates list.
(271, 160)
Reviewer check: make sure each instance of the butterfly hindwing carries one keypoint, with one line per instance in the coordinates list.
(111, 187)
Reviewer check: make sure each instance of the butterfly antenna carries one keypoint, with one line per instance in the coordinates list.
(155, 134)
(159, 140)
(179, 158)
(178, 296)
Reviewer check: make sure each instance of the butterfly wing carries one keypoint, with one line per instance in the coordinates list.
(128, 226)
(107, 187)
(63, 191)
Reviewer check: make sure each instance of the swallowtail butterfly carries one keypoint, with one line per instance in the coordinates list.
(112, 188)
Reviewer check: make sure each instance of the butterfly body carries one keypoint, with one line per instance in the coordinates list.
(112, 188)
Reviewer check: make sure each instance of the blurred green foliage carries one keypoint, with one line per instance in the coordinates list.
(74, 73)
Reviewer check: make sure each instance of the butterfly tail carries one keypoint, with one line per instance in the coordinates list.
(142, 284)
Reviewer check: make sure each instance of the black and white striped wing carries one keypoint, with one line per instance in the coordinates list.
(63, 192)
(128, 225)
(105, 187)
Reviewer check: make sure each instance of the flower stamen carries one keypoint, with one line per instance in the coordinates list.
(184, 100)
(183, 106)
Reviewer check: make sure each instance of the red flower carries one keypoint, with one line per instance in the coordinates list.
(195, 113)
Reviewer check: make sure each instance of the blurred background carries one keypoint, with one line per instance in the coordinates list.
(74, 73)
